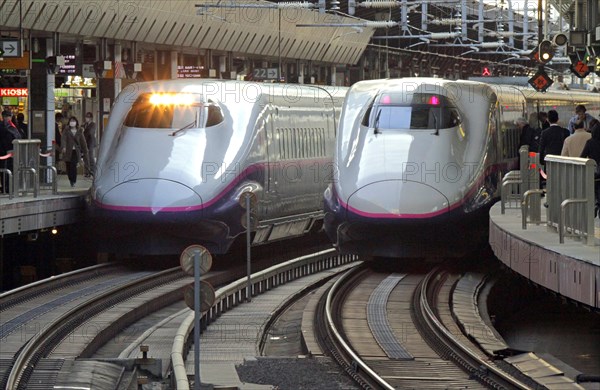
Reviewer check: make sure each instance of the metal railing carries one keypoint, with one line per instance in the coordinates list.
(235, 293)
(570, 197)
(24, 177)
(515, 184)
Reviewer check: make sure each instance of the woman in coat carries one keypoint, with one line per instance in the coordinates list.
(73, 147)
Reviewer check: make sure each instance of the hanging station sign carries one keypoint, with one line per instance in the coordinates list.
(190, 71)
(72, 65)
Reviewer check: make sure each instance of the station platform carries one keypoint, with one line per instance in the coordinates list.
(24, 213)
(571, 269)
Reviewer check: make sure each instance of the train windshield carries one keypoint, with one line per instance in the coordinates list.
(173, 111)
(411, 111)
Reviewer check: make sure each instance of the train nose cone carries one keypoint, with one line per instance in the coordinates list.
(398, 199)
(153, 195)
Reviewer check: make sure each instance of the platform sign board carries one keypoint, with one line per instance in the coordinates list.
(191, 71)
(72, 65)
(15, 62)
(10, 48)
(265, 74)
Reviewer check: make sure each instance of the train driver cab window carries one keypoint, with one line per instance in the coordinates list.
(172, 111)
(211, 114)
(414, 111)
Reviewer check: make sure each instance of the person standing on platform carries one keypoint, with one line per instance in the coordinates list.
(543, 118)
(529, 135)
(73, 148)
(89, 132)
(580, 115)
(574, 143)
(553, 137)
(21, 125)
(592, 150)
(8, 133)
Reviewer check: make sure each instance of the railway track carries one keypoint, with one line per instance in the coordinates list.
(28, 311)
(71, 332)
(391, 330)
(396, 330)
(56, 326)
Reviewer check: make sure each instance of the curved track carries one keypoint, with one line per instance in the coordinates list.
(396, 331)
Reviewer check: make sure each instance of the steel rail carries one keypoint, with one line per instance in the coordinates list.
(354, 360)
(460, 353)
(43, 342)
(24, 293)
(234, 293)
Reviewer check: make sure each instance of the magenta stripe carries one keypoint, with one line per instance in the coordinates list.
(148, 209)
(245, 173)
(398, 216)
(454, 206)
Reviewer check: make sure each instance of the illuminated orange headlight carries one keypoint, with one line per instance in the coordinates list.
(181, 99)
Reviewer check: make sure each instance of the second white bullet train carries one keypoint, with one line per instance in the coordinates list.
(177, 156)
(419, 161)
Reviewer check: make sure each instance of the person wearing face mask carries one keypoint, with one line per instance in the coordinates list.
(89, 132)
(73, 148)
(8, 133)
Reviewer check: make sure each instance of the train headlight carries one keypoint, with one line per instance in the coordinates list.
(180, 99)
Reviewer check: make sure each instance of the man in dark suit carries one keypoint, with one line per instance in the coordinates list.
(553, 137)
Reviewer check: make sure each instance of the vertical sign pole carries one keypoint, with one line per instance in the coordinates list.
(197, 380)
(248, 243)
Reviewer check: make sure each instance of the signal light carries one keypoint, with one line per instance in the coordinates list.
(560, 39)
(546, 51)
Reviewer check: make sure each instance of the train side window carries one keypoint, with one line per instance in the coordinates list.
(294, 135)
(279, 142)
(302, 142)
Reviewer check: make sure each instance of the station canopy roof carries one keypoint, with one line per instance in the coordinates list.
(182, 24)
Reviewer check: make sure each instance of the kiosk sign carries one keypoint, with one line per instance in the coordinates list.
(14, 92)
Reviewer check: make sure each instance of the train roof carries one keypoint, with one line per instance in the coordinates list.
(221, 89)
(506, 93)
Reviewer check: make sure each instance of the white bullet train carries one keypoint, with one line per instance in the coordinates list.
(177, 155)
(419, 161)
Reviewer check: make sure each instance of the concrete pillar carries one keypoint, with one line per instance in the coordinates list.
(173, 60)
(332, 69)
(50, 104)
(222, 66)
(117, 62)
